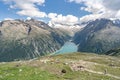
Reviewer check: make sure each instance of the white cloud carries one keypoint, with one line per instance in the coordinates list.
(60, 19)
(112, 4)
(28, 18)
(99, 8)
(77, 1)
(27, 7)
(52, 15)
(8, 19)
(118, 14)
(68, 22)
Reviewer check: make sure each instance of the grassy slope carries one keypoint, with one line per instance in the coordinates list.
(49, 68)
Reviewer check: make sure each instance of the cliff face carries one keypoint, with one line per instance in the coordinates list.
(28, 39)
(98, 36)
(113, 52)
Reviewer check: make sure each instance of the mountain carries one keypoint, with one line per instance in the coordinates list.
(28, 39)
(113, 52)
(98, 36)
(116, 22)
(69, 28)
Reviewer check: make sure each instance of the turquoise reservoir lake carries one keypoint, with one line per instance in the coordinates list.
(68, 47)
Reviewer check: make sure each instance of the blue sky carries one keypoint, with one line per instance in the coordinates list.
(63, 7)
(59, 11)
(57, 6)
(6, 12)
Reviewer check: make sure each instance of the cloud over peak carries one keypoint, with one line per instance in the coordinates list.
(60, 19)
(95, 8)
(99, 8)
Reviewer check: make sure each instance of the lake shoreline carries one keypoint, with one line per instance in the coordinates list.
(68, 47)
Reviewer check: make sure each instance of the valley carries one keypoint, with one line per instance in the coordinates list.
(59, 39)
(32, 50)
(68, 47)
(28, 39)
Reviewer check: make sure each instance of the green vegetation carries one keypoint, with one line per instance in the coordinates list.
(63, 67)
(29, 39)
(98, 36)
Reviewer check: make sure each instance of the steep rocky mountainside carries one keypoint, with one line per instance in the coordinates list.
(28, 39)
(113, 52)
(98, 36)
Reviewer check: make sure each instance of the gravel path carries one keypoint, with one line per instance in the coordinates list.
(102, 73)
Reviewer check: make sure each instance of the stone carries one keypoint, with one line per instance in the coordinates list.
(63, 71)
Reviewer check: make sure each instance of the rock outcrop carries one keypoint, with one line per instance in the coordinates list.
(98, 36)
(28, 39)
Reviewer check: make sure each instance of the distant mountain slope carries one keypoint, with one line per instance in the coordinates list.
(113, 52)
(28, 39)
(69, 28)
(98, 36)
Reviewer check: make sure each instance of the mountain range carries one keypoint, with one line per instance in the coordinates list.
(99, 36)
(69, 28)
(28, 39)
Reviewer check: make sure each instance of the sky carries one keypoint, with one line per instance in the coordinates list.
(59, 11)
